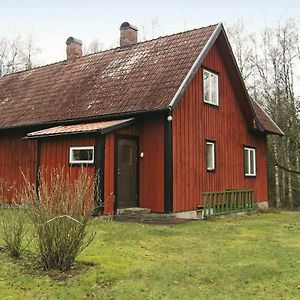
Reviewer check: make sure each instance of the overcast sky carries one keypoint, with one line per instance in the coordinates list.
(51, 22)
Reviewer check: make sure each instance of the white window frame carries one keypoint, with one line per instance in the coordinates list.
(211, 87)
(247, 151)
(213, 167)
(71, 158)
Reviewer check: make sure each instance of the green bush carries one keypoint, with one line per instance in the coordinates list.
(60, 212)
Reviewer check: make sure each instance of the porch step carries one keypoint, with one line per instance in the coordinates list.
(134, 211)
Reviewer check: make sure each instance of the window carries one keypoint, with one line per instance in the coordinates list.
(82, 155)
(127, 155)
(249, 161)
(210, 88)
(210, 156)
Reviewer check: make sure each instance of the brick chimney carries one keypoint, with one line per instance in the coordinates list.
(128, 35)
(74, 48)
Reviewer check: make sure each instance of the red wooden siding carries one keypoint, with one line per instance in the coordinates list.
(150, 131)
(17, 156)
(55, 155)
(152, 164)
(193, 122)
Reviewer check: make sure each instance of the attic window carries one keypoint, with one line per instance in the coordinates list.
(82, 155)
(210, 88)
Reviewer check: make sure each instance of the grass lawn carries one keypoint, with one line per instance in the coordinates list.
(251, 257)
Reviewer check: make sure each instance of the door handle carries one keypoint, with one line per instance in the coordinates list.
(119, 172)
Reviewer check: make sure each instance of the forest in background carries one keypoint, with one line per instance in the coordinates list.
(269, 63)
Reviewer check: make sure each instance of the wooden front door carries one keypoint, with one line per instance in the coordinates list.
(126, 170)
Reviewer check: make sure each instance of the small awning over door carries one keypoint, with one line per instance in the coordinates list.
(97, 127)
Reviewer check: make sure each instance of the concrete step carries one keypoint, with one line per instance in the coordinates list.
(144, 215)
(134, 211)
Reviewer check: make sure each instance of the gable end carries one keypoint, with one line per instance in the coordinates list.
(195, 66)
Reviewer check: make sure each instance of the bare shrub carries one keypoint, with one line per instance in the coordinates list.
(14, 231)
(13, 228)
(5, 190)
(60, 212)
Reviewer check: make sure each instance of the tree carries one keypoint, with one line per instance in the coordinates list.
(270, 63)
(242, 42)
(153, 32)
(17, 54)
(93, 47)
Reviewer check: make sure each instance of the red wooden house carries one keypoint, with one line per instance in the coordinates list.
(161, 121)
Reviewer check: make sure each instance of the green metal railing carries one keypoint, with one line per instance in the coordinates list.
(217, 203)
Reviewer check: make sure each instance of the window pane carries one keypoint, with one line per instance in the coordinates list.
(83, 154)
(210, 156)
(79, 155)
(127, 155)
(210, 87)
(206, 79)
(246, 155)
(214, 89)
(252, 163)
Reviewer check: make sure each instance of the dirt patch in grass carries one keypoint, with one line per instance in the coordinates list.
(28, 264)
(153, 220)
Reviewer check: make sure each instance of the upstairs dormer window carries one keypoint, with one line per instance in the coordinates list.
(210, 88)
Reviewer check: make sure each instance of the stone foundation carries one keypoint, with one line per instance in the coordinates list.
(263, 205)
(193, 214)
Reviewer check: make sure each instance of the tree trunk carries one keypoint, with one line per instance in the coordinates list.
(289, 188)
(276, 174)
(289, 176)
(283, 189)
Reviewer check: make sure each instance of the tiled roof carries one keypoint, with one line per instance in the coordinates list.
(101, 127)
(144, 77)
(265, 121)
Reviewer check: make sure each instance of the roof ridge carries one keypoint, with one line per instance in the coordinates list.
(170, 35)
(110, 49)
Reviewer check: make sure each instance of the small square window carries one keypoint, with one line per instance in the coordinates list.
(210, 156)
(210, 88)
(249, 161)
(82, 155)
